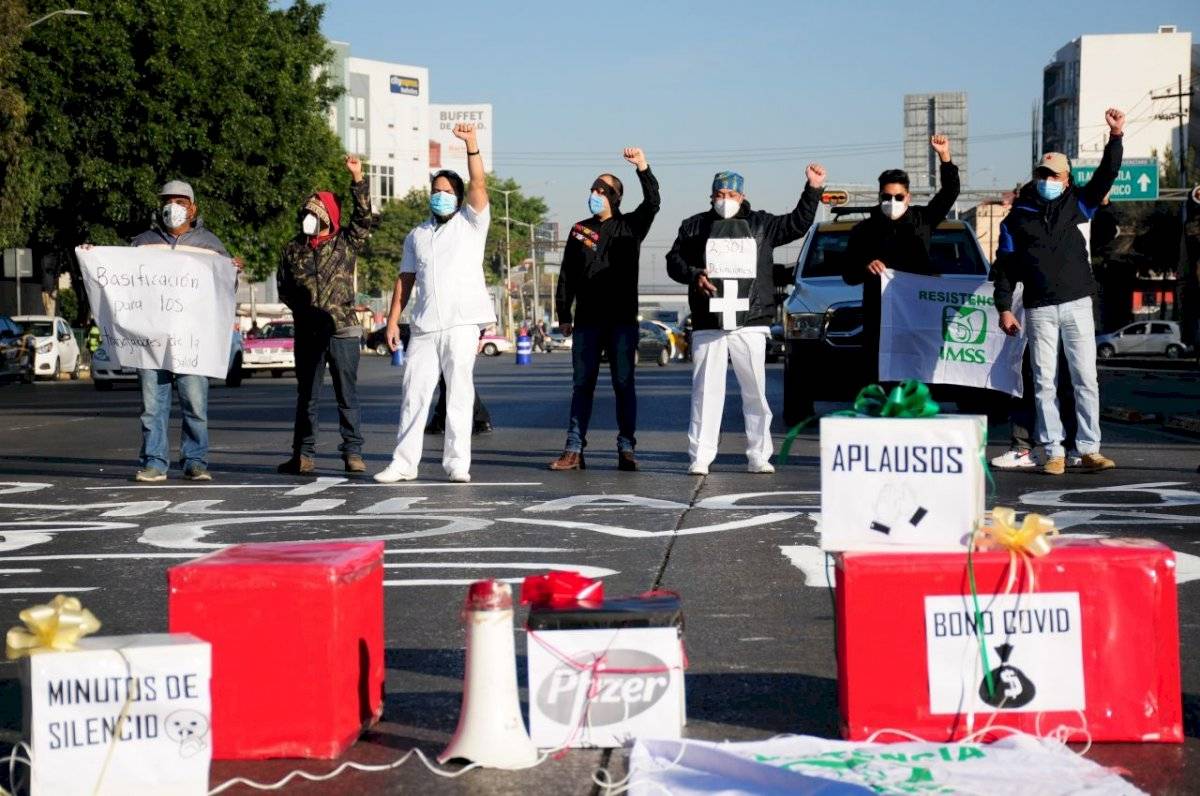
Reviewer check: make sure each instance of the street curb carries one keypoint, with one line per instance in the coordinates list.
(1188, 424)
(1125, 414)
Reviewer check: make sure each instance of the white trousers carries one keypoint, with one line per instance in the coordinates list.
(450, 353)
(711, 352)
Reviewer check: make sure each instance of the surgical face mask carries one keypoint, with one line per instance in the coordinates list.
(893, 208)
(596, 204)
(1050, 189)
(443, 203)
(727, 208)
(174, 215)
(310, 224)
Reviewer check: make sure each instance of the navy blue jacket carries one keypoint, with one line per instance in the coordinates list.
(1043, 244)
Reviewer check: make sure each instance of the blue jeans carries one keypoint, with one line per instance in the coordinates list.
(313, 349)
(587, 342)
(156, 413)
(1074, 324)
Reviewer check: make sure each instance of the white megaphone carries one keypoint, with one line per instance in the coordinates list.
(490, 730)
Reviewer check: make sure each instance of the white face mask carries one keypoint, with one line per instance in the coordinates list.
(174, 216)
(893, 208)
(727, 208)
(310, 224)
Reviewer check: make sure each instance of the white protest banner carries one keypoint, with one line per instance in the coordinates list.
(945, 330)
(120, 715)
(1035, 651)
(160, 308)
(731, 258)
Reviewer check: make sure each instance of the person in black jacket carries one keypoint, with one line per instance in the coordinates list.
(1043, 245)
(599, 278)
(732, 245)
(896, 235)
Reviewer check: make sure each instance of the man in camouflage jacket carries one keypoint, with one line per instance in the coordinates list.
(316, 281)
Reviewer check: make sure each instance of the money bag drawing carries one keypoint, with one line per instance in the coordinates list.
(189, 729)
(1012, 687)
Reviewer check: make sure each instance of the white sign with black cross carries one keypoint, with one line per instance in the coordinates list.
(727, 261)
(1034, 644)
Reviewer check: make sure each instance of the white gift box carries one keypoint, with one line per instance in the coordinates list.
(901, 483)
(124, 715)
(642, 698)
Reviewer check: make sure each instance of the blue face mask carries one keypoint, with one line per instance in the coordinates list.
(1050, 189)
(596, 204)
(443, 203)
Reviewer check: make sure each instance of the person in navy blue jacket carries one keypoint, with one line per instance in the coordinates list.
(1044, 246)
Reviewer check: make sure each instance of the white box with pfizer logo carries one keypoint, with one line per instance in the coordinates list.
(600, 677)
(902, 483)
(120, 715)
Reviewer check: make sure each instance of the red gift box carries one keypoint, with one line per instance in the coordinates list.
(297, 644)
(1094, 645)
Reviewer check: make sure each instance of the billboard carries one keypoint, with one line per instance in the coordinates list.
(453, 153)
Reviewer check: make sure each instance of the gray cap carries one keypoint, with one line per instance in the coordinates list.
(177, 188)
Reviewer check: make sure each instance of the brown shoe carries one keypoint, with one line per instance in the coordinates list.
(354, 463)
(626, 461)
(1095, 462)
(298, 465)
(1055, 465)
(570, 460)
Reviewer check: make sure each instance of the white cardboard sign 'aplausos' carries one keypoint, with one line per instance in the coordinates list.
(644, 700)
(162, 309)
(73, 707)
(901, 483)
(731, 258)
(1035, 651)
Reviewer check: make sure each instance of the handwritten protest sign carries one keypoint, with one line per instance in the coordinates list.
(162, 309)
(731, 258)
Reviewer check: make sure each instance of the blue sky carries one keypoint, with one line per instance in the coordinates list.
(760, 87)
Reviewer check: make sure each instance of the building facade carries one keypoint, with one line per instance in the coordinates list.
(1126, 71)
(446, 151)
(924, 116)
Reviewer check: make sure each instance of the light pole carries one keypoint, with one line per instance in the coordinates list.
(71, 12)
(507, 261)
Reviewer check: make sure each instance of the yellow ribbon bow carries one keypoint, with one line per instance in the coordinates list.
(54, 627)
(1032, 537)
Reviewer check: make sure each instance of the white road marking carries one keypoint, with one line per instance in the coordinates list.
(446, 582)
(586, 571)
(17, 571)
(19, 487)
(49, 590)
(1167, 497)
(97, 556)
(631, 533)
(189, 534)
(812, 562)
(731, 502)
(606, 502)
(401, 552)
(292, 487)
(49, 423)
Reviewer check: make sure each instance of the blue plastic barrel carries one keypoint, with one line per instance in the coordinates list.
(524, 350)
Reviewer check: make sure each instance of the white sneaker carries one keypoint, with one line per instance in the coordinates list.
(1014, 460)
(460, 477)
(393, 473)
(762, 468)
(697, 469)
(1074, 459)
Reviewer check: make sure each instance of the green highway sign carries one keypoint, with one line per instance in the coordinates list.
(1137, 180)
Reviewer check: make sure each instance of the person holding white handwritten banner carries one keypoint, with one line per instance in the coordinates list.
(178, 227)
(316, 282)
(726, 257)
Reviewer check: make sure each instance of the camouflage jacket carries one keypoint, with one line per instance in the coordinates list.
(317, 283)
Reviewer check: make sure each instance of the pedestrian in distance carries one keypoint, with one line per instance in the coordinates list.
(896, 235)
(597, 305)
(316, 282)
(443, 259)
(732, 312)
(1043, 246)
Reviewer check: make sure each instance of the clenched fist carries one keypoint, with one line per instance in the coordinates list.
(354, 166)
(635, 156)
(466, 133)
(815, 174)
(941, 145)
(1116, 120)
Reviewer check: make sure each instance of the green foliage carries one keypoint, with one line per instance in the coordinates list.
(523, 210)
(15, 186)
(68, 305)
(220, 93)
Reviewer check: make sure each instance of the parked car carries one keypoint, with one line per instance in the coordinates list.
(270, 348)
(1143, 338)
(57, 350)
(823, 321)
(493, 345)
(377, 340)
(653, 346)
(557, 341)
(675, 338)
(16, 352)
(107, 372)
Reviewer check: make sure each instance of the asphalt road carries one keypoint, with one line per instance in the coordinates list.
(740, 548)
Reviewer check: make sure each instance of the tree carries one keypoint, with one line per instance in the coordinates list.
(14, 165)
(523, 210)
(226, 94)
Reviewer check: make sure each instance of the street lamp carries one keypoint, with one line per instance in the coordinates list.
(71, 12)
(507, 259)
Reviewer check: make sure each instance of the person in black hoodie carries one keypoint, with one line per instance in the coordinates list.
(733, 245)
(1043, 246)
(896, 235)
(599, 278)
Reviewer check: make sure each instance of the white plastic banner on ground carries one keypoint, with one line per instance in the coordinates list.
(945, 330)
(162, 309)
(805, 766)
